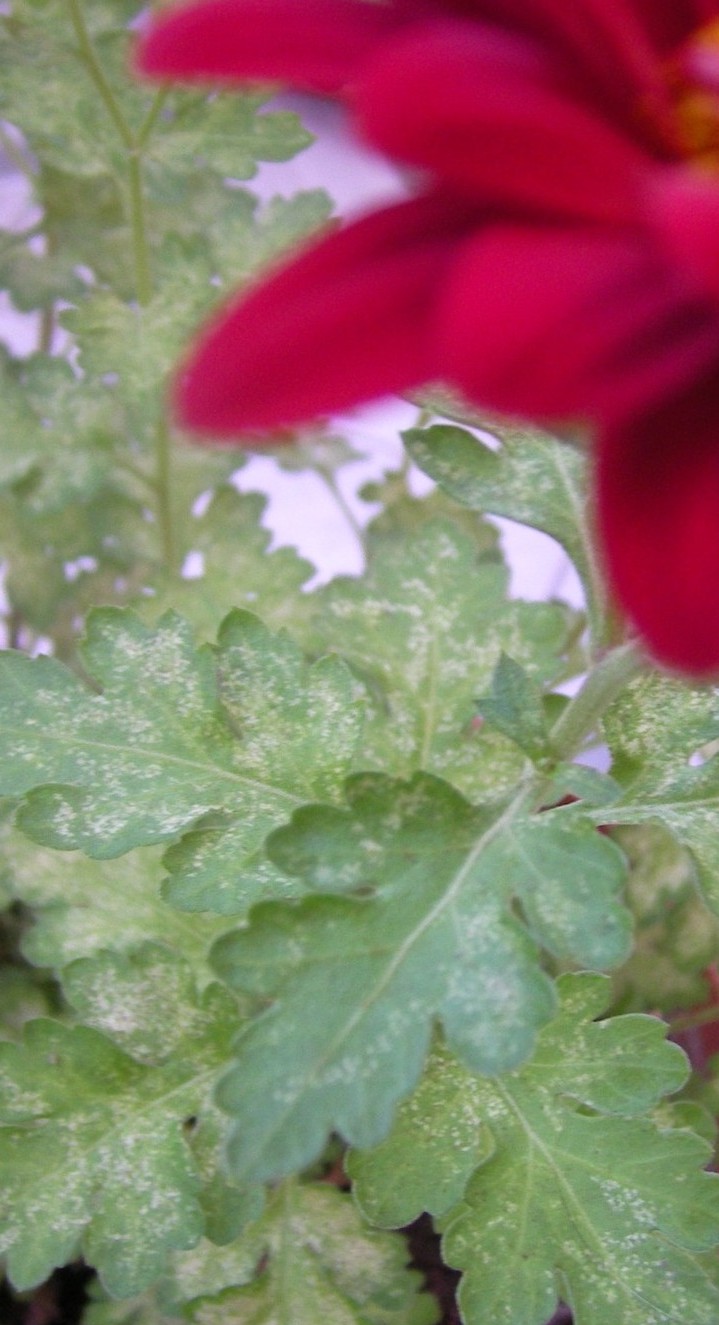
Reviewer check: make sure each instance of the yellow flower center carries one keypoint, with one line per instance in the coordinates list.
(694, 80)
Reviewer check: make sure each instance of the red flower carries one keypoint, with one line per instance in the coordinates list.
(561, 262)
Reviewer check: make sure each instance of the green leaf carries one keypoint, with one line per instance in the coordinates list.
(319, 1261)
(230, 133)
(141, 1310)
(531, 477)
(130, 349)
(574, 1194)
(676, 935)
(438, 1139)
(246, 234)
(97, 1142)
(430, 932)
(23, 997)
(127, 996)
(36, 280)
(52, 437)
(238, 570)
(662, 734)
(177, 734)
(424, 629)
(80, 905)
(514, 707)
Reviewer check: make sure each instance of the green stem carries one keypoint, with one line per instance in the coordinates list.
(603, 684)
(151, 118)
(134, 144)
(140, 246)
(97, 73)
(88, 55)
(328, 477)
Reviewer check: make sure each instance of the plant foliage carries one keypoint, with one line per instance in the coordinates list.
(286, 871)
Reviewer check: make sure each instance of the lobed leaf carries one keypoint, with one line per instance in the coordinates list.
(430, 931)
(176, 734)
(662, 734)
(424, 629)
(238, 570)
(571, 1192)
(530, 477)
(675, 934)
(319, 1261)
(97, 1141)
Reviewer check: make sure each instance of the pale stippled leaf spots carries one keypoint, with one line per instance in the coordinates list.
(425, 629)
(430, 932)
(145, 1000)
(568, 1182)
(676, 935)
(47, 88)
(527, 475)
(663, 736)
(238, 570)
(96, 1149)
(310, 1258)
(80, 905)
(318, 1261)
(247, 731)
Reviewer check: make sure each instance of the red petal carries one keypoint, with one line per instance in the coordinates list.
(344, 322)
(608, 43)
(480, 109)
(659, 522)
(684, 206)
(554, 324)
(314, 45)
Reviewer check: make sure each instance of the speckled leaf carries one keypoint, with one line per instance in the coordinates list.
(245, 234)
(131, 348)
(238, 570)
(299, 728)
(564, 1202)
(81, 905)
(438, 1138)
(425, 629)
(446, 1129)
(592, 1205)
(676, 935)
(663, 736)
(176, 733)
(356, 981)
(53, 437)
(319, 1262)
(145, 1000)
(94, 1153)
(229, 132)
(531, 477)
(47, 89)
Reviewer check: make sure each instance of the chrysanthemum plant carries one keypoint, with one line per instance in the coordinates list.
(317, 917)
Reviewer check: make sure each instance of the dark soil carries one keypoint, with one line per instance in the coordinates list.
(61, 1301)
